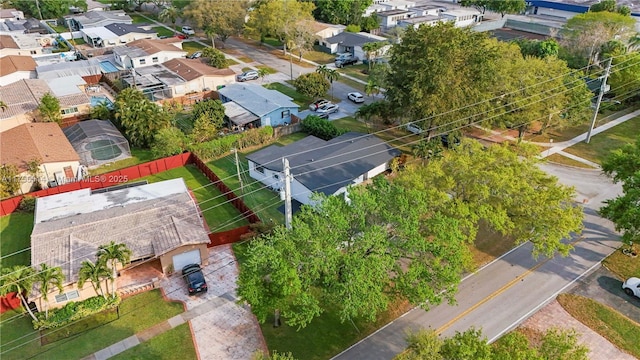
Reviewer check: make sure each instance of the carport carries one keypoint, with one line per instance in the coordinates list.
(237, 116)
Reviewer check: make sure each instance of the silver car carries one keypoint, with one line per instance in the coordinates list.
(247, 75)
(328, 109)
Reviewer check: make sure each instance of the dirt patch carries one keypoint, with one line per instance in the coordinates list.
(489, 245)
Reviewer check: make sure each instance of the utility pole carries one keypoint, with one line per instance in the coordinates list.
(287, 193)
(235, 151)
(39, 11)
(603, 86)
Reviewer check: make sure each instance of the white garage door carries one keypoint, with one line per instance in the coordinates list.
(184, 259)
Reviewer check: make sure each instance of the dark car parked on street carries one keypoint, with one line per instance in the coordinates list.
(195, 279)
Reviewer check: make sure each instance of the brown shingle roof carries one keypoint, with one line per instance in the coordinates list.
(153, 46)
(7, 42)
(190, 69)
(12, 63)
(44, 141)
(24, 96)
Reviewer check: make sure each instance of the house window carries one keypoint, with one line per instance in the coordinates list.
(286, 113)
(260, 169)
(143, 61)
(276, 176)
(154, 59)
(67, 296)
(33, 52)
(69, 111)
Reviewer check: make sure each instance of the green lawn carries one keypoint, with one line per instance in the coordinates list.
(78, 41)
(262, 201)
(163, 31)
(138, 156)
(191, 46)
(288, 139)
(354, 84)
(267, 69)
(173, 344)
(615, 327)
(298, 98)
(219, 214)
(622, 265)
(397, 137)
(59, 28)
(139, 19)
(355, 71)
(563, 160)
(15, 232)
(603, 143)
(20, 341)
(319, 56)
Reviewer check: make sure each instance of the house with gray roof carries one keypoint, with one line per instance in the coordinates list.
(262, 106)
(158, 222)
(97, 19)
(319, 166)
(347, 42)
(116, 34)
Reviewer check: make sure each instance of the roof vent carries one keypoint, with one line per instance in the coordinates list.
(311, 159)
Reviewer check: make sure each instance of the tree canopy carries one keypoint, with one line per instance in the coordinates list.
(50, 9)
(49, 109)
(280, 19)
(312, 84)
(500, 6)
(220, 17)
(404, 238)
(140, 118)
(345, 12)
(623, 165)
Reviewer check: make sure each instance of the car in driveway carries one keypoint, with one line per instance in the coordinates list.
(414, 128)
(194, 278)
(356, 97)
(247, 75)
(188, 30)
(317, 104)
(328, 109)
(632, 286)
(195, 55)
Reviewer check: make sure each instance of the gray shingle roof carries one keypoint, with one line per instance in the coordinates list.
(149, 227)
(256, 99)
(326, 166)
(351, 39)
(122, 29)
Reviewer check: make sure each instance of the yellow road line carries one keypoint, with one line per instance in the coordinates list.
(504, 288)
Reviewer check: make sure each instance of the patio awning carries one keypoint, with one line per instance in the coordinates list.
(239, 115)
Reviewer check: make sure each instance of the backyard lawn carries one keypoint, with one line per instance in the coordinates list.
(318, 56)
(20, 341)
(139, 19)
(264, 202)
(218, 213)
(603, 143)
(138, 156)
(356, 71)
(15, 233)
(298, 98)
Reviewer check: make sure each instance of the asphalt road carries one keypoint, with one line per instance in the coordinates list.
(507, 291)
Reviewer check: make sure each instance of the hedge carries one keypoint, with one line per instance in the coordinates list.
(73, 311)
(217, 147)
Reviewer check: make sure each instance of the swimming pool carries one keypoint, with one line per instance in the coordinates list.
(108, 67)
(96, 100)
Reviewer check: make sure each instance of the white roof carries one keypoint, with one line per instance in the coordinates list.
(461, 12)
(68, 85)
(100, 31)
(83, 202)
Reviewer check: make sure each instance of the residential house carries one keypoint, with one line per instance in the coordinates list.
(11, 14)
(25, 26)
(116, 34)
(46, 143)
(462, 17)
(14, 68)
(146, 52)
(327, 167)
(23, 97)
(90, 70)
(424, 10)
(253, 105)
(322, 30)
(97, 19)
(159, 222)
(420, 20)
(199, 76)
(390, 18)
(386, 5)
(352, 43)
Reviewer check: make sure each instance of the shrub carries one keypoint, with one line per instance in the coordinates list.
(353, 28)
(313, 84)
(324, 129)
(73, 311)
(217, 147)
(27, 204)
(216, 57)
(168, 142)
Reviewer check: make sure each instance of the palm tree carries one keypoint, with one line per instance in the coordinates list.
(372, 88)
(262, 73)
(18, 279)
(48, 276)
(113, 254)
(365, 112)
(170, 14)
(102, 111)
(211, 33)
(3, 106)
(94, 273)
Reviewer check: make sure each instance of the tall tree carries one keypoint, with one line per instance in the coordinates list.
(215, 57)
(170, 14)
(345, 12)
(469, 344)
(500, 6)
(140, 118)
(95, 273)
(102, 111)
(49, 109)
(330, 74)
(280, 19)
(372, 51)
(48, 9)
(46, 277)
(221, 18)
(623, 165)
(211, 110)
(625, 75)
(313, 85)
(9, 182)
(439, 68)
(114, 254)
(18, 279)
(584, 34)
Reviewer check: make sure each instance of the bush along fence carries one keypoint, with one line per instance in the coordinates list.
(116, 177)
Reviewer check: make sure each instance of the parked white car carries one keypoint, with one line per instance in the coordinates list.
(188, 30)
(328, 109)
(414, 128)
(632, 286)
(356, 97)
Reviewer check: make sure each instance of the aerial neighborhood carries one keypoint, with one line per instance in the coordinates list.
(331, 179)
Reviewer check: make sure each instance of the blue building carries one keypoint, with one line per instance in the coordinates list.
(251, 105)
